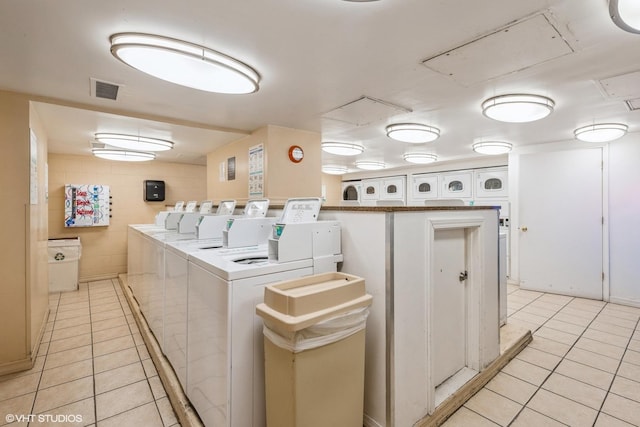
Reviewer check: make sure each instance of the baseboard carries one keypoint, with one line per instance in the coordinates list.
(98, 277)
(624, 301)
(179, 401)
(515, 340)
(370, 422)
(27, 363)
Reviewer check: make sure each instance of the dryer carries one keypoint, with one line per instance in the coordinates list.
(351, 191)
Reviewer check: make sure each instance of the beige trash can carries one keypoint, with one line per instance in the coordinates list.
(314, 350)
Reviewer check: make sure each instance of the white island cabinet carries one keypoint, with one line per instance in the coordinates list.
(434, 321)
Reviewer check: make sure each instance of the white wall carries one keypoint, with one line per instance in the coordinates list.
(624, 219)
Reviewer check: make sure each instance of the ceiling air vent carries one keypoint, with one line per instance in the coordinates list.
(104, 90)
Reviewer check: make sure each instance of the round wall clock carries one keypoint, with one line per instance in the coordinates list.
(296, 154)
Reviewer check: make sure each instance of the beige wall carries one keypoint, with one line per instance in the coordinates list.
(38, 271)
(104, 249)
(332, 189)
(23, 298)
(283, 178)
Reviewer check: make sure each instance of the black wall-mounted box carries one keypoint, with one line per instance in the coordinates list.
(153, 191)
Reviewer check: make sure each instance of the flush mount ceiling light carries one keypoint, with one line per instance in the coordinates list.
(334, 169)
(492, 147)
(184, 63)
(370, 165)
(420, 158)
(517, 108)
(133, 142)
(342, 148)
(123, 155)
(412, 132)
(602, 132)
(626, 14)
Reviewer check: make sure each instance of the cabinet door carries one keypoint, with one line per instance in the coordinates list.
(491, 183)
(424, 187)
(456, 185)
(393, 188)
(370, 189)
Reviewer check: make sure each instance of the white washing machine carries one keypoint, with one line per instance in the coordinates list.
(175, 301)
(225, 356)
(176, 282)
(149, 284)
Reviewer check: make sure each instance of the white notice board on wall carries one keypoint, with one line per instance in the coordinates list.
(256, 171)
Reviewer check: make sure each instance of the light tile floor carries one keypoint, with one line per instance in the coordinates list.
(92, 366)
(581, 369)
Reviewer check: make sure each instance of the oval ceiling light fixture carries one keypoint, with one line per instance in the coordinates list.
(334, 169)
(123, 155)
(492, 147)
(420, 158)
(184, 63)
(626, 14)
(518, 108)
(413, 133)
(370, 165)
(342, 148)
(134, 142)
(601, 132)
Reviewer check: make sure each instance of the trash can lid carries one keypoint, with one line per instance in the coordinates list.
(299, 303)
(66, 241)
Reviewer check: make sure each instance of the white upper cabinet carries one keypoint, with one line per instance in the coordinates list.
(456, 185)
(491, 183)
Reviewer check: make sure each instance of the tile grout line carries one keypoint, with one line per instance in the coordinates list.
(558, 364)
(146, 378)
(35, 397)
(615, 375)
(538, 387)
(155, 401)
(93, 361)
(563, 358)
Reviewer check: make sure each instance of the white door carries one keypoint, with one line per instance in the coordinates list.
(449, 332)
(560, 229)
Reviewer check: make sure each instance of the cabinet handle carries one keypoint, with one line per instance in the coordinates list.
(524, 229)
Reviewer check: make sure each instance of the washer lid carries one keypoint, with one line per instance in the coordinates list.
(303, 209)
(256, 208)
